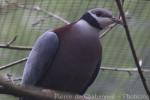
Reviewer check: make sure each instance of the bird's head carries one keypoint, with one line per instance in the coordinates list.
(100, 18)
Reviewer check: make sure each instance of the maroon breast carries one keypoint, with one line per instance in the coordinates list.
(76, 59)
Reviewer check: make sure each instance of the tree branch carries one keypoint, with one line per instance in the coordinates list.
(37, 93)
(39, 21)
(124, 69)
(125, 25)
(55, 16)
(108, 29)
(9, 46)
(15, 47)
(11, 41)
(13, 63)
(50, 14)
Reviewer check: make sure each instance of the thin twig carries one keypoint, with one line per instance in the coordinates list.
(50, 14)
(124, 69)
(11, 41)
(39, 21)
(15, 47)
(132, 47)
(55, 16)
(9, 46)
(13, 63)
(36, 93)
(107, 30)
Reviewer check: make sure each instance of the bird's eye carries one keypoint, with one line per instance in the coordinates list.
(98, 14)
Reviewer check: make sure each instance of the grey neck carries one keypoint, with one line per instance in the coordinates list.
(83, 25)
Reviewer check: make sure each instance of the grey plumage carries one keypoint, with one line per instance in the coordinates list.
(68, 58)
(41, 55)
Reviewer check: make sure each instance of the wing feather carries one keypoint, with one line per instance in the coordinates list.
(40, 58)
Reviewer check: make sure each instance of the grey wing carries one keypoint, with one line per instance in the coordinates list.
(40, 58)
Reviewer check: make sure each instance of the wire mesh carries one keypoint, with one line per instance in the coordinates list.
(28, 19)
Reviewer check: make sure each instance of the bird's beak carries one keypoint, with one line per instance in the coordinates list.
(117, 20)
